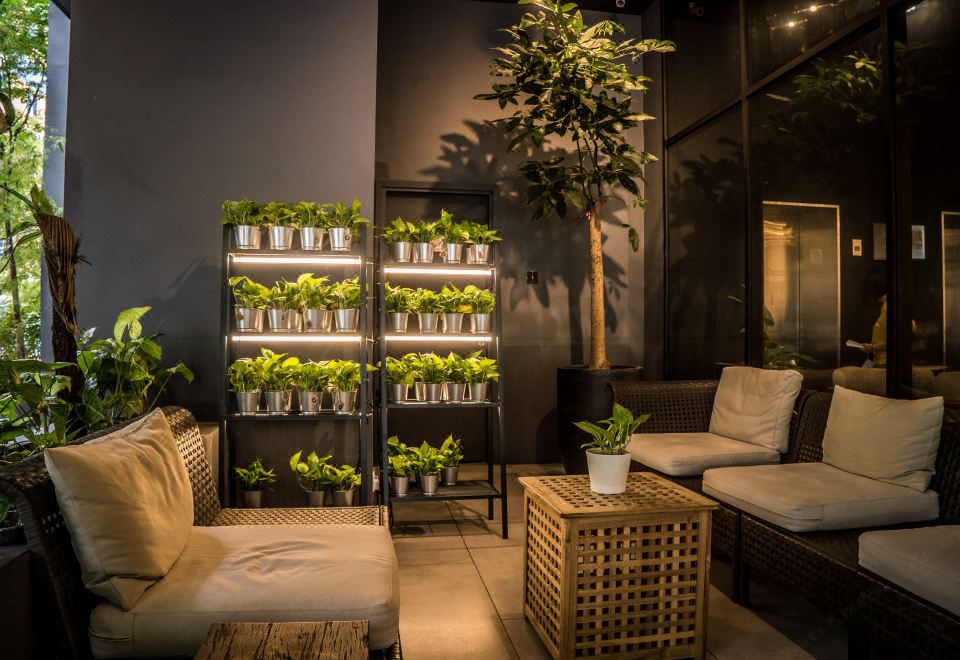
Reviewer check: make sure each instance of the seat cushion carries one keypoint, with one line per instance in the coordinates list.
(258, 573)
(686, 454)
(127, 502)
(922, 561)
(755, 405)
(804, 497)
(885, 439)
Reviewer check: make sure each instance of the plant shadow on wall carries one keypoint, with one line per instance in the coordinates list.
(483, 156)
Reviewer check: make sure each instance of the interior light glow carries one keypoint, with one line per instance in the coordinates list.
(299, 338)
(791, 24)
(912, 9)
(427, 270)
(298, 259)
(466, 338)
(813, 8)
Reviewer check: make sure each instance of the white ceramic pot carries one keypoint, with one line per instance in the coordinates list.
(608, 472)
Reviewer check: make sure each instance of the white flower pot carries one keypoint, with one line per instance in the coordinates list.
(608, 472)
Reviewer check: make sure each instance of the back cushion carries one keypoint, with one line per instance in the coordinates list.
(888, 440)
(755, 405)
(127, 502)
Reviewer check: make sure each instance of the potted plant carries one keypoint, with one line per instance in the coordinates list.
(311, 218)
(345, 301)
(451, 453)
(280, 219)
(479, 371)
(311, 379)
(277, 375)
(397, 448)
(397, 236)
(479, 239)
(400, 468)
(432, 372)
(564, 77)
(480, 304)
(250, 302)
(427, 305)
(401, 374)
(283, 307)
(454, 235)
(343, 481)
(423, 235)
(246, 219)
(429, 465)
(398, 301)
(452, 305)
(246, 380)
(343, 222)
(608, 461)
(456, 378)
(313, 476)
(314, 301)
(253, 479)
(345, 377)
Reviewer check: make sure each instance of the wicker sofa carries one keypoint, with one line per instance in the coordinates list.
(62, 601)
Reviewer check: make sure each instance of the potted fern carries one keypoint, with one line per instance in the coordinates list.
(401, 374)
(479, 372)
(455, 378)
(245, 218)
(313, 476)
(423, 235)
(479, 304)
(397, 236)
(250, 301)
(312, 380)
(427, 305)
(343, 222)
(245, 380)
(429, 463)
(453, 234)
(608, 461)
(451, 453)
(314, 301)
(283, 307)
(253, 479)
(431, 371)
(479, 239)
(398, 301)
(280, 219)
(277, 375)
(343, 480)
(345, 301)
(311, 219)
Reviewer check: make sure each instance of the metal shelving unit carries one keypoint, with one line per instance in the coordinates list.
(437, 274)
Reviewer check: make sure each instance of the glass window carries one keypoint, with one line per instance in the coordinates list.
(704, 72)
(779, 30)
(705, 250)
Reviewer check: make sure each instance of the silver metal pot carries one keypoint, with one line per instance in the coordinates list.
(248, 403)
(452, 253)
(247, 237)
(420, 391)
(282, 320)
(347, 320)
(452, 323)
(450, 475)
(343, 497)
(310, 402)
(401, 252)
(481, 322)
(423, 252)
(278, 401)
(316, 498)
(433, 392)
(397, 321)
(478, 392)
(429, 483)
(317, 320)
(344, 403)
(428, 322)
(249, 319)
(251, 499)
(341, 238)
(311, 238)
(281, 238)
(454, 392)
(400, 486)
(397, 393)
(478, 254)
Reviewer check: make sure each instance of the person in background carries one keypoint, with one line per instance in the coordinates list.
(878, 337)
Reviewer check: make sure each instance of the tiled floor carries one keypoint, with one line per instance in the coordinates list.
(460, 588)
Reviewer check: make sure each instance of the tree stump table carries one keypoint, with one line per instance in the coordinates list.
(617, 576)
(321, 640)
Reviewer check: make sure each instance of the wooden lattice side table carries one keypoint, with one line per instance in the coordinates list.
(618, 576)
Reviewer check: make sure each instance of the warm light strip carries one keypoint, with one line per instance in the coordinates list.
(441, 338)
(426, 270)
(329, 259)
(298, 338)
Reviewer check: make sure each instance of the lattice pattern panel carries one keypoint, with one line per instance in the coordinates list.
(206, 505)
(346, 515)
(645, 492)
(544, 570)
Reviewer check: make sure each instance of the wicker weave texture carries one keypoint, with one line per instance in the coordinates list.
(674, 406)
(206, 505)
(347, 515)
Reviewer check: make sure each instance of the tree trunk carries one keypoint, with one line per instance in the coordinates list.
(598, 336)
(15, 292)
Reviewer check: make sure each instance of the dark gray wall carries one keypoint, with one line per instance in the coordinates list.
(433, 57)
(176, 106)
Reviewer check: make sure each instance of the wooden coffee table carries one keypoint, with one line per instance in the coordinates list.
(323, 640)
(617, 576)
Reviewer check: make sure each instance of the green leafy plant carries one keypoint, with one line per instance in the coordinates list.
(568, 79)
(398, 299)
(345, 375)
(248, 293)
(402, 371)
(449, 230)
(612, 435)
(428, 460)
(312, 376)
(313, 473)
(480, 234)
(344, 477)
(277, 373)
(451, 451)
(431, 368)
(456, 368)
(340, 215)
(426, 301)
(451, 299)
(398, 231)
(400, 465)
(241, 212)
(283, 295)
(424, 232)
(309, 214)
(280, 214)
(479, 369)
(244, 376)
(345, 294)
(477, 300)
(313, 292)
(255, 476)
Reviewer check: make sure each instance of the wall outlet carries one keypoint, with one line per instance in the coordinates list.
(857, 247)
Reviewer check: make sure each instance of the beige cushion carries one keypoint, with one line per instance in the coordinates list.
(685, 454)
(804, 497)
(127, 502)
(259, 573)
(922, 561)
(886, 439)
(755, 405)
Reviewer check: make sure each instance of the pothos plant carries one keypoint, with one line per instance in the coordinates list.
(249, 294)
(402, 370)
(612, 435)
(241, 212)
(277, 371)
(451, 451)
(244, 376)
(345, 294)
(341, 215)
(398, 299)
(398, 231)
(313, 473)
(568, 79)
(477, 300)
(255, 476)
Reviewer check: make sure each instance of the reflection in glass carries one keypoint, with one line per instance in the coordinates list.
(950, 225)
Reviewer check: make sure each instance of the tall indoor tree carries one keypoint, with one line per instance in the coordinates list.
(571, 80)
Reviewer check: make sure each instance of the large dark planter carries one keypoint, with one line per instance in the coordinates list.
(12, 536)
(583, 394)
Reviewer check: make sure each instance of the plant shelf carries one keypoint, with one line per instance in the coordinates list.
(423, 405)
(292, 417)
(464, 490)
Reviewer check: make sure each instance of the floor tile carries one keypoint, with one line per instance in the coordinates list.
(421, 511)
(525, 640)
(486, 534)
(736, 633)
(412, 557)
(501, 570)
(428, 543)
(535, 469)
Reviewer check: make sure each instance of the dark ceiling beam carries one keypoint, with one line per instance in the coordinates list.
(629, 6)
(64, 6)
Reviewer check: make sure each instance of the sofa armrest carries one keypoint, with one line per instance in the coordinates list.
(674, 406)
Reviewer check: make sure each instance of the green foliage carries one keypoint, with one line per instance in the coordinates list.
(276, 373)
(398, 231)
(450, 230)
(426, 301)
(312, 376)
(398, 299)
(345, 375)
(424, 232)
(283, 295)
(451, 452)
(456, 368)
(310, 214)
(340, 215)
(431, 368)
(245, 375)
(614, 434)
(480, 234)
(31, 407)
(280, 214)
(254, 476)
(313, 292)
(345, 294)
(248, 293)
(344, 477)
(397, 448)
(400, 465)
(313, 474)
(477, 300)
(242, 212)
(480, 369)
(451, 299)
(402, 371)
(428, 460)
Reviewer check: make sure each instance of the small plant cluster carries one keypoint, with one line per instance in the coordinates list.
(313, 473)
(431, 368)
(612, 435)
(308, 292)
(294, 215)
(425, 460)
(278, 372)
(450, 299)
(445, 229)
